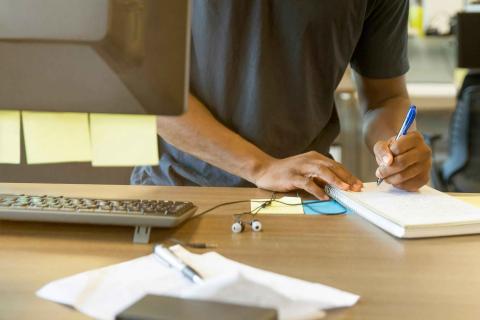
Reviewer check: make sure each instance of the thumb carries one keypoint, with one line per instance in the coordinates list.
(382, 152)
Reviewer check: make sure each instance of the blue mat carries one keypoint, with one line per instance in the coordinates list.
(330, 207)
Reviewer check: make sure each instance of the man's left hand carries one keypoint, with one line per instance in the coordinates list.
(404, 163)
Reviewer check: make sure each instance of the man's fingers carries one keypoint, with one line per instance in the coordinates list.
(401, 162)
(339, 170)
(327, 176)
(382, 152)
(309, 185)
(322, 171)
(407, 142)
(406, 174)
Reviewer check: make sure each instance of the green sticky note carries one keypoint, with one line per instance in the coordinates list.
(52, 137)
(123, 140)
(10, 137)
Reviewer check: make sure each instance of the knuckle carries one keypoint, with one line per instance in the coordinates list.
(323, 170)
(335, 166)
(400, 161)
(428, 151)
(307, 182)
(383, 171)
(395, 148)
(380, 146)
(313, 154)
(416, 135)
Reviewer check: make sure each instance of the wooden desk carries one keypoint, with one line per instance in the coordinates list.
(397, 279)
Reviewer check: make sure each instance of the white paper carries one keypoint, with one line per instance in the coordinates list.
(236, 288)
(428, 206)
(212, 263)
(102, 293)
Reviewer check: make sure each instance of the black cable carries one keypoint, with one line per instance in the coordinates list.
(264, 205)
(218, 206)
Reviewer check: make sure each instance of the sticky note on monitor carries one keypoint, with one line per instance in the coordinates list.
(55, 137)
(10, 137)
(284, 205)
(123, 140)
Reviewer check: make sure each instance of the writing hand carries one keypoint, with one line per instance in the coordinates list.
(404, 163)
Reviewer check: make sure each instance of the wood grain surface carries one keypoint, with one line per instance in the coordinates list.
(396, 279)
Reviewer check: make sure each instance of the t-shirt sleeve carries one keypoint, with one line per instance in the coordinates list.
(381, 51)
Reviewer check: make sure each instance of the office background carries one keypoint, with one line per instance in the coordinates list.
(432, 81)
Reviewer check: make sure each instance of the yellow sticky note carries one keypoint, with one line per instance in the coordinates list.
(284, 205)
(473, 200)
(123, 140)
(458, 76)
(52, 137)
(10, 137)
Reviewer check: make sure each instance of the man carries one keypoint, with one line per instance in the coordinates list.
(261, 109)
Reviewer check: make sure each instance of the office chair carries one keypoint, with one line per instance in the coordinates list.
(460, 172)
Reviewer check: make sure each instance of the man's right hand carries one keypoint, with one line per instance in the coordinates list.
(309, 171)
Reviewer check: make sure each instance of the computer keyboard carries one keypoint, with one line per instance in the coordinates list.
(151, 213)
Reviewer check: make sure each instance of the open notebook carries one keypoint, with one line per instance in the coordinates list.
(427, 213)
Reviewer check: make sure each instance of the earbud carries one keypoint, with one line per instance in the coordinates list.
(238, 226)
(256, 225)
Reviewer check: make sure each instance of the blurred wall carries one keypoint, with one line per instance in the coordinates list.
(437, 11)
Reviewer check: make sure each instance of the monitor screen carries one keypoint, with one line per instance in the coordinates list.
(102, 56)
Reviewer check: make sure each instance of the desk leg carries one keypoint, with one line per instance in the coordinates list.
(141, 234)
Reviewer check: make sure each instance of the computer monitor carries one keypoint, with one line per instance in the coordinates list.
(105, 56)
(468, 41)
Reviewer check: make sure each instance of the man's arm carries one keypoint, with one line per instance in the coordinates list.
(197, 132)
(404, 163)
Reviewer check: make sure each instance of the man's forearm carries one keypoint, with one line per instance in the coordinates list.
(384, 104)
(198, 133)
(384, 121)
(404, 163)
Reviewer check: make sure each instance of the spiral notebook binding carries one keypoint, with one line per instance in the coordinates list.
(365, 212)
(345, 201)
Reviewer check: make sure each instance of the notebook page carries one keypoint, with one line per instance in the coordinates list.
(426, 207)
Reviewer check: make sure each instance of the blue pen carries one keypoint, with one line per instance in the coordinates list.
(412, 113)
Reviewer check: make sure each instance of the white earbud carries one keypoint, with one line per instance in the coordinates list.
(237, 227)
(256, 225)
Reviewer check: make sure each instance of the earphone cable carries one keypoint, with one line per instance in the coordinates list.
(263, 204)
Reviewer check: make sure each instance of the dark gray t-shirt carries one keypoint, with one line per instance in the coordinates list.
(268, 69)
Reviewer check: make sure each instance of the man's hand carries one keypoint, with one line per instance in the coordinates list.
(310, 171)
(404, 163)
